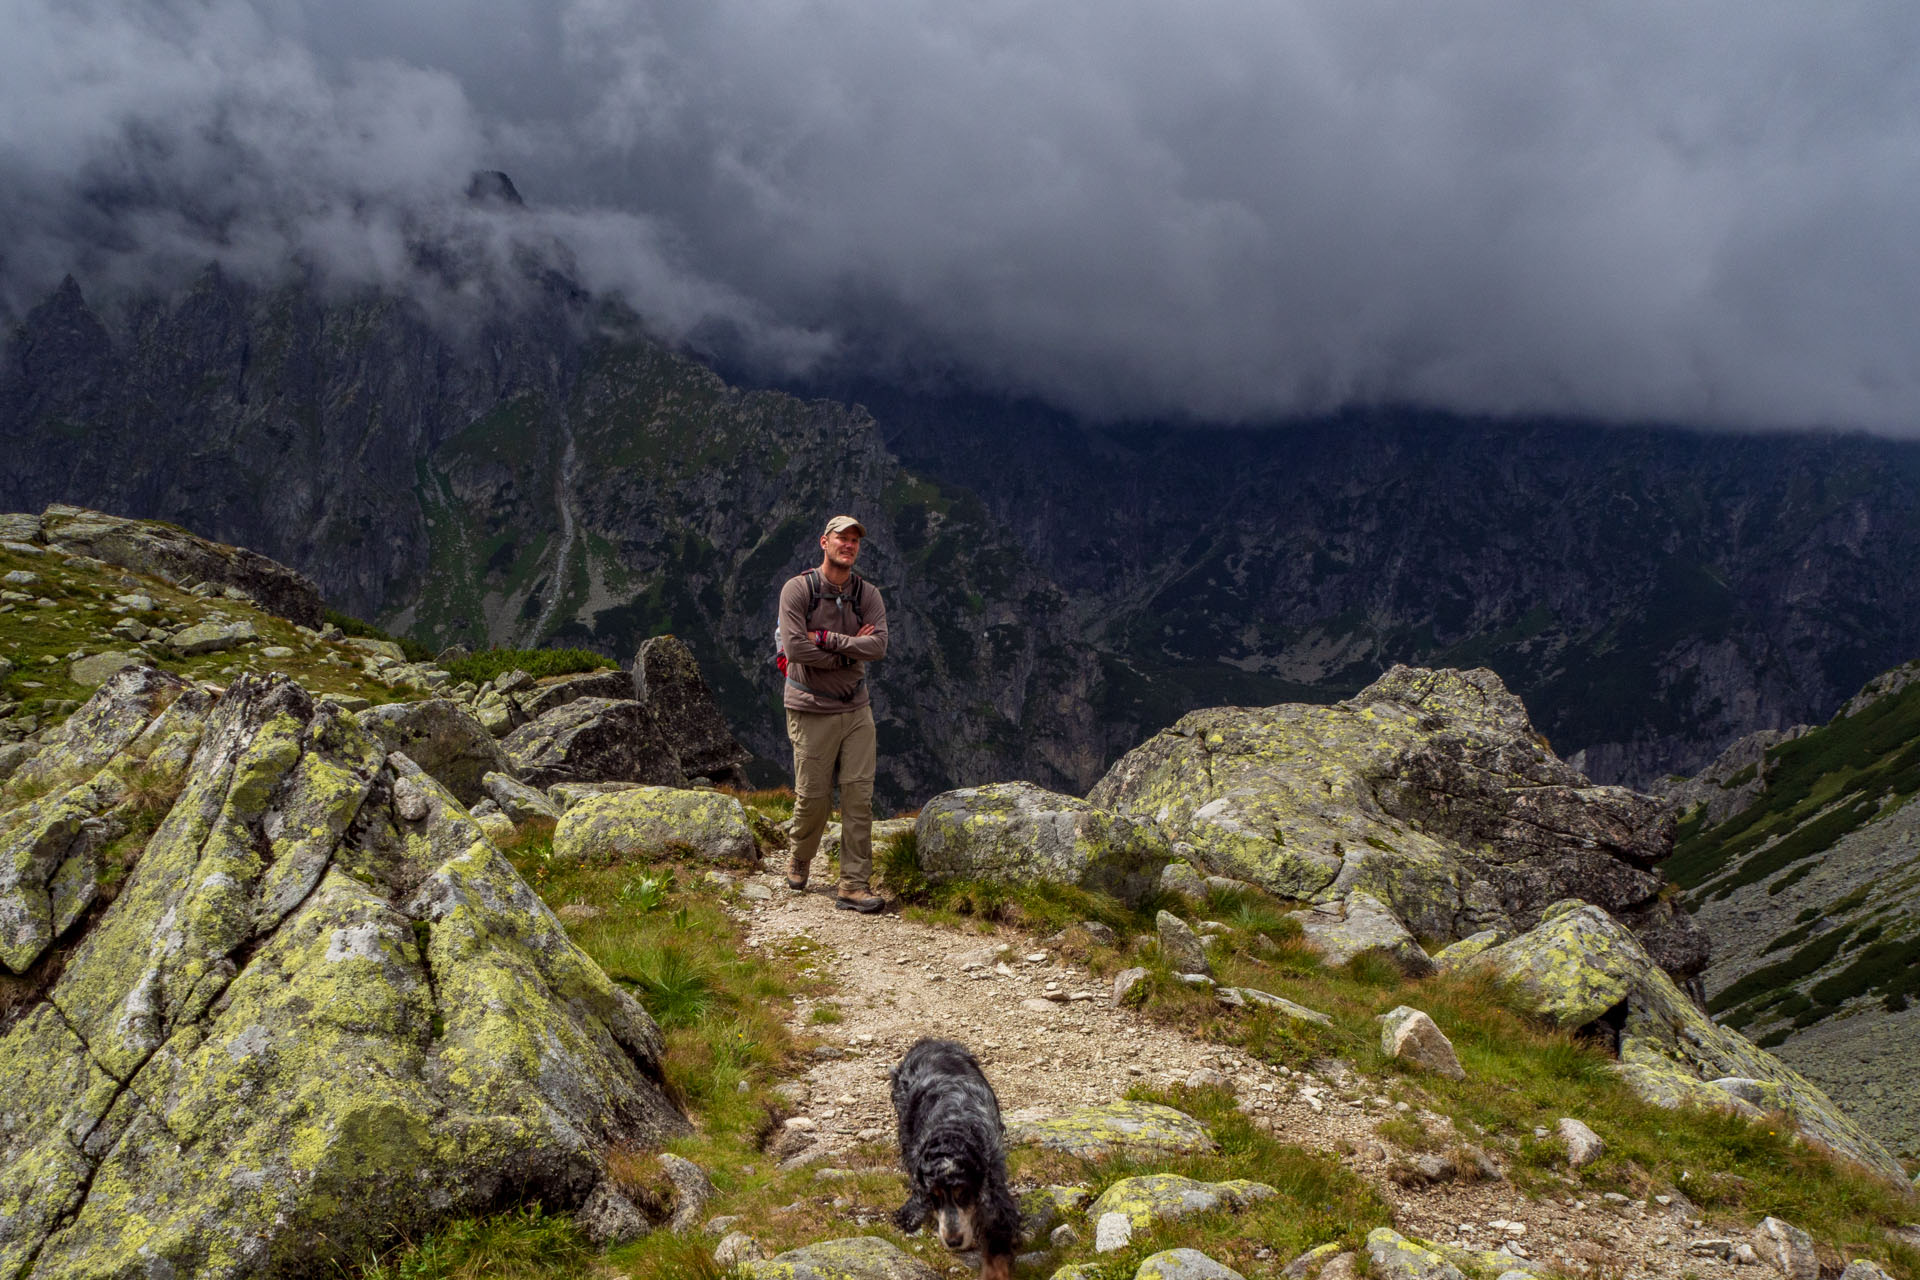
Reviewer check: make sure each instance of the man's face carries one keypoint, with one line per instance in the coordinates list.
(842, 547)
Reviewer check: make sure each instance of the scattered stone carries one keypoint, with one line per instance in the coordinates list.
(753, 891)
(1208, 1078)
(1411, 1036)
(1787, 1248)
(1019, 832)
(1241, 997)
(1181, 878)
(1133, 1128)
(20, 578)
(1180, 945)
(276, 652)
(1184, 1264)
(737, 1247)
(608, 1218)
(410, 801)
(1583, 1144)
(1864, 1269)
(852, 1258)
(692, 1190)
(720, 1225)
(1099, 934)
(1126, 983)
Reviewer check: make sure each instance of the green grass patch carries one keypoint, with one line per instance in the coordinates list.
(526, 1242)
(489, 664)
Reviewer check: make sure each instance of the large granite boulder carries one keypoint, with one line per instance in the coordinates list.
(1580, 967)
(442, 737)
(165, 551)
(669, 682)
(1428, 790)
(656, 822)
(594, 740)
(322, 1012)
(125, 751)
(540, 699)
(1017, 831)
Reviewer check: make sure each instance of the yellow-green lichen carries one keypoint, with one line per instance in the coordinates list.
(1163, 1197)
(1116, 1128)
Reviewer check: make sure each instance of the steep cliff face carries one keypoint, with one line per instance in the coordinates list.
(545, 472)
(567, 482)
(1810, 889)
(1653, 594)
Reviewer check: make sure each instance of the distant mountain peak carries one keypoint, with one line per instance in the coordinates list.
(492, 187)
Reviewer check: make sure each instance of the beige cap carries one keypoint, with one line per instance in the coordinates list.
(838, 523)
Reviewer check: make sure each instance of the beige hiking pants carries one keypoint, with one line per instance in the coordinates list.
(820, 741)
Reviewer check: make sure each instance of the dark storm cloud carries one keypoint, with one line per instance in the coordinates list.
(1233, 209)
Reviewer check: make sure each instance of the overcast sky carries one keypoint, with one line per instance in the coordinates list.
(1225, 209)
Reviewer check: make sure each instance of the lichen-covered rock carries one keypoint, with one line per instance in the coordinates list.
(1452, 957)
(520, 802)
(1163, 1197)
(1341, 931)
(211, 637)
(1582, 964)
(565, 795)
(593, 740)
(1044, 1208)
(125, 750)
(1428, 790)
(307, 1023)
(655, 822)
(853, 1258)
(1786, 1248)
(1181, 878)
(1179, 945)
(608, 1218)
(668, 680)
(1184, 1264)
(1412, 1036)
(692, 1190)
(1017, 831)
(1394, 1257)
(443, 738)
(1132, 1128)
(164, 551)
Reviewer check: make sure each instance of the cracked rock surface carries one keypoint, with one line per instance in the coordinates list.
(311, 1017)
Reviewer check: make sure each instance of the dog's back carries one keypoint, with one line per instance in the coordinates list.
(941, 1081)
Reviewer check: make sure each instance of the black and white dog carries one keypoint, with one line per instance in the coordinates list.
(954, 1152)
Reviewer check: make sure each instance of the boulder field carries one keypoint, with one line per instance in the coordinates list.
(1426, 820)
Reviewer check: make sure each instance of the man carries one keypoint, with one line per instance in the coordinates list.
(832, 623)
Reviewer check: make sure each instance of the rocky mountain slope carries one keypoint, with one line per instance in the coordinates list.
(282, 979)
(1801, 859)
(1652, 593)
(540, 469)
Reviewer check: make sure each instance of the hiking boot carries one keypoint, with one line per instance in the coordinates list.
(865, 906)
(796, 878)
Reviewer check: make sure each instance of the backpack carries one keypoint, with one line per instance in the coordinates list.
(816, 592)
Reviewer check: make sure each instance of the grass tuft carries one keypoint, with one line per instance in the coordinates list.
(489, 664)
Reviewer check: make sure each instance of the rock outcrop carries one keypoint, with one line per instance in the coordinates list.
(1017, 831)
(440, 737)
(1428, 790)
(1581, 968)
(668, 680)
(321, 1009)
(594, 740)
(167, 551)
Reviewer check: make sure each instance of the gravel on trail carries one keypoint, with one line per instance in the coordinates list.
(1050, 1040)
